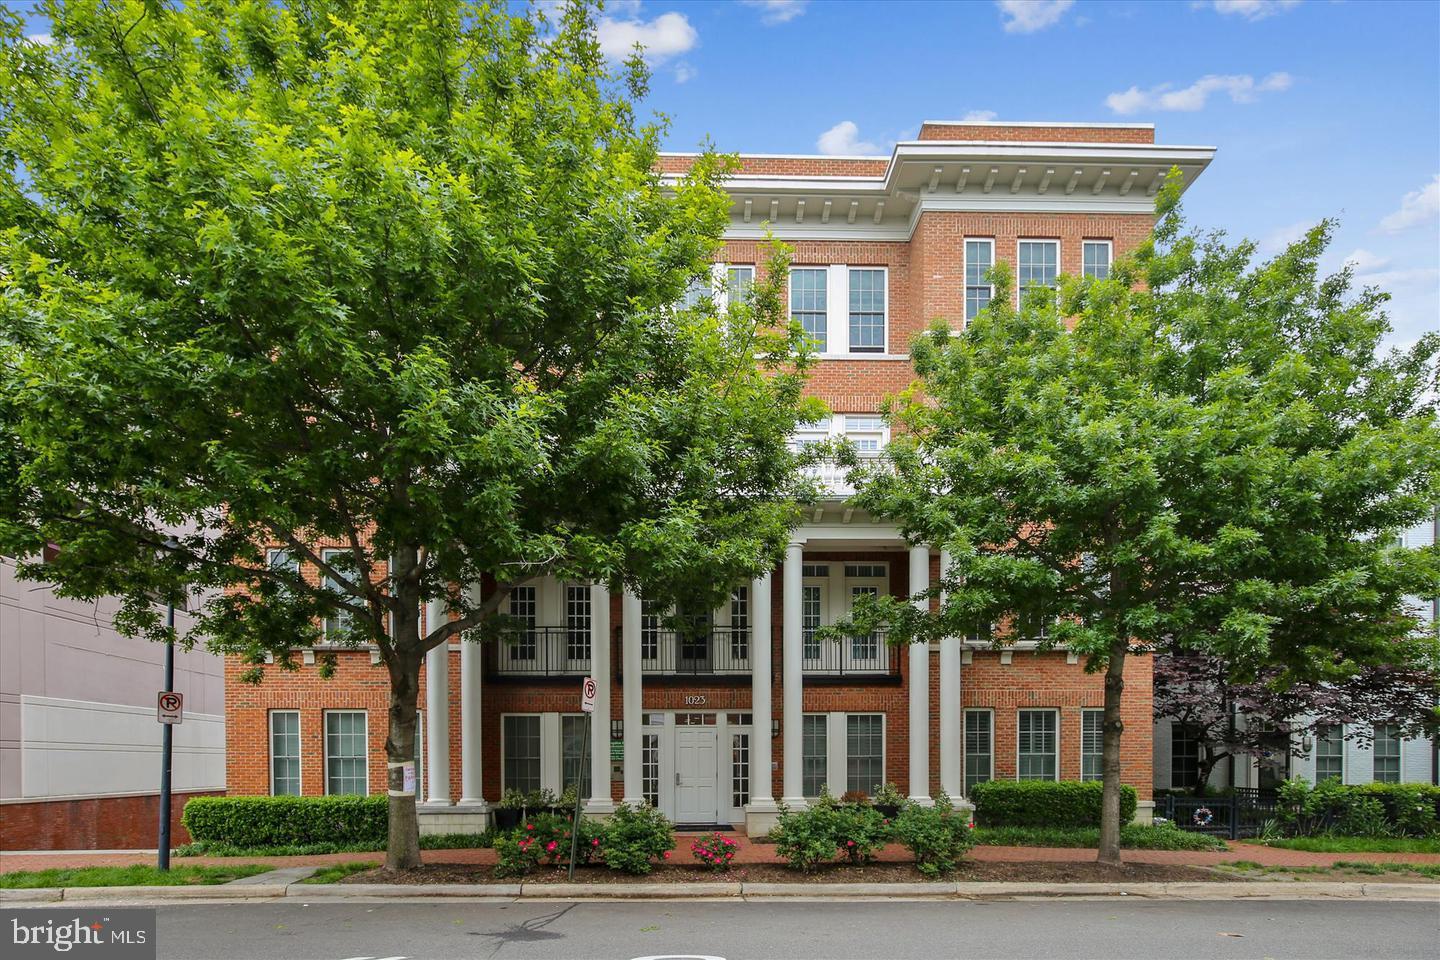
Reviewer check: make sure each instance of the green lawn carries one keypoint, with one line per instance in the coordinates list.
(134, 876)
(1133, 837)
(338, 872)
(1357, 844)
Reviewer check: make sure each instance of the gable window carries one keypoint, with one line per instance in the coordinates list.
(1329, 752)
(979, 258)
(1092, 743)
(979, 748)
(809, 305)
(1096, 258)
(1184, 757)
(1039, 263)
(1038, 746)
(1387, 753)
(865, 752)
(346, 752)
(520, 739)
(738, 281)
(285, 753)
(867, 310)
(813, 771)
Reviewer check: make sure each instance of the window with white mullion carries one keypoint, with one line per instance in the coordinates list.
(1037, 745)
(809, 302)
(577, 623)
(520, 742)
(525, 611)
(347, 752)
(979, 748)
(738, 281)
(979, 258)
(865, 752)
(1092, 744)
(865, 433)
(1038, 263)
(342, 561)
(740, 624)
(867, 310)
(1387, 753)
(814, 770)
(1095, 258)
(1329, 752)
(285, 753)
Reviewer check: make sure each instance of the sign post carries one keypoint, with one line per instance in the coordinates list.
(587, 706)
(168, 704)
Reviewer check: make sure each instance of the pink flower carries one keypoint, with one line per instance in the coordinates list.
(667, 854)
(529, 826)
(849, 843)
(595, 842)
(550, 846)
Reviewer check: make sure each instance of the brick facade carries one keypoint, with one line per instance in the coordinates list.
(91, 823)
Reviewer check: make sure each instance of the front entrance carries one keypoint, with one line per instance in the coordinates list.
(695, 779)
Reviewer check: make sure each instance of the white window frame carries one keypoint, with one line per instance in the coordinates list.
(1019, 287)
(965, 284)
(850, 348)
(829, 747)
(299, 752)
(1399, 739)
(1340, 728)
(1109, 246)
(964, 740)
(882, 432)
(1059, 747)
(826, 315)
(884, 742)
(1087, 712)
(325, 580)
(540, 717)
(325, 749)
(724, 275)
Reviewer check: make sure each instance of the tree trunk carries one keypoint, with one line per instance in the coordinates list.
(1110, 758)
(402, 849)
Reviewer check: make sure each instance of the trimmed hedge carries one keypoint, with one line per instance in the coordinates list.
(1045, 803)
(286, 821)
(1365, 809)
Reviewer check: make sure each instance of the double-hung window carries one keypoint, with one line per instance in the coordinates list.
(1184, 757)
(867, 310)
(1096, 258)
(810, 433)
(738, 281)
(1038, 746)
(347, 752)
(1092, 743)
(979, 748)
(866, 433)
(739, 625)
(520, 741)
(697, 290)
(1039, 263)
(813, 767)
(572, 749)
(342, 562)
(285, 753)
(1329, 752)
(1387, 753)
(809, 304)
(979, 258)
(864, 752)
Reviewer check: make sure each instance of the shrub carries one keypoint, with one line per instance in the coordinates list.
(287, 821)
(1045, 803)
(1363, 817)
(936, 836)
(857, 831)
(889, 795)
(516, 855)
(715, 851)
(635, 836)
(804, 838)
(1370, 809)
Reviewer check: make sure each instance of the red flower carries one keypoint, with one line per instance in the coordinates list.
(667, 854)
(550, 846)
(595, 842)
(849, 843)
(529, 826)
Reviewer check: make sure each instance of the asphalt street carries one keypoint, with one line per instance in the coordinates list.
(789, 930)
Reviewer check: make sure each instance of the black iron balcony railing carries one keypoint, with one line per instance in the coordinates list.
(543, 652)
(697, 652)
(867, 654)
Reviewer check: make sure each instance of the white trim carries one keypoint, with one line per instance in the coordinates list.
(299, 748)
(1081, 739)
(325, 747)
(1059, 268)
(1036, 123)
(965, 739)
(884, 745)
(534, 713)
(1059, 751)
(790, 302)
(965, 274)
(885, 320)
(1109, 254)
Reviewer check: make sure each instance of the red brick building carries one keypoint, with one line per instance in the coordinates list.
(716, 727)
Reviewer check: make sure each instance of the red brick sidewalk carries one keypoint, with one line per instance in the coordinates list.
(750, 853)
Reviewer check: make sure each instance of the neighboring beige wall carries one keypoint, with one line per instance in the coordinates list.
(87, 727)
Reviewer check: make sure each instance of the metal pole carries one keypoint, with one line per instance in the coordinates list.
(163, 852)
(584, 767)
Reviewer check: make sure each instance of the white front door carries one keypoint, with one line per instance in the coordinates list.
(695, 763)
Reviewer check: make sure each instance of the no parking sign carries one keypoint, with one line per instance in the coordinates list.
(587, 695)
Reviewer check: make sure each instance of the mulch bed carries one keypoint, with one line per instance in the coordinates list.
(1027, 872)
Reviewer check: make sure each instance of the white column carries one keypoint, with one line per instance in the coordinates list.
(437, 711)
(634, 793)
(762, 797)
(920, 686)
(472, 793)
(951, 717)
(600, 802)
(792, 658)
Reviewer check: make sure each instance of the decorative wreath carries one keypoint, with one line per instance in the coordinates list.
(1203, 816)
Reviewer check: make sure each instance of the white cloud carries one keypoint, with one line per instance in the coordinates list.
(1028, 16)
(684, 72)
(843, 139)
(668, 35)
(1390, 280)
(980, 115)
(778, 11)
(629, 8)
(1278, 239)
(1416, 207)
(43, 39)
(1250, 9)
(1363, 261)
(1240, 88)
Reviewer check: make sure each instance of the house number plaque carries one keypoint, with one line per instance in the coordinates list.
(694, 701)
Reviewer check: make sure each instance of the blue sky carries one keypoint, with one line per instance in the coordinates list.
(1318, 108)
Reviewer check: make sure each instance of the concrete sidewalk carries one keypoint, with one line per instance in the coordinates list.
(748, 853)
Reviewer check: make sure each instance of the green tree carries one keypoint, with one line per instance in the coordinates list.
(1196, 453)
(395, 276)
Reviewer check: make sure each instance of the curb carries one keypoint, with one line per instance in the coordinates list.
(1243, 890)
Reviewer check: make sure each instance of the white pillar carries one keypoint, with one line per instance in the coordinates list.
(634, 793)
(919, 680)
(472, 792)
(951, 716)
(437, 711)
(600, 802)
(762, 798)
(793, 663)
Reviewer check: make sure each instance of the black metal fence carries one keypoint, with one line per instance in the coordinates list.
(1242, 813)
(867, 654)
(543, 652)
(695, 652)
